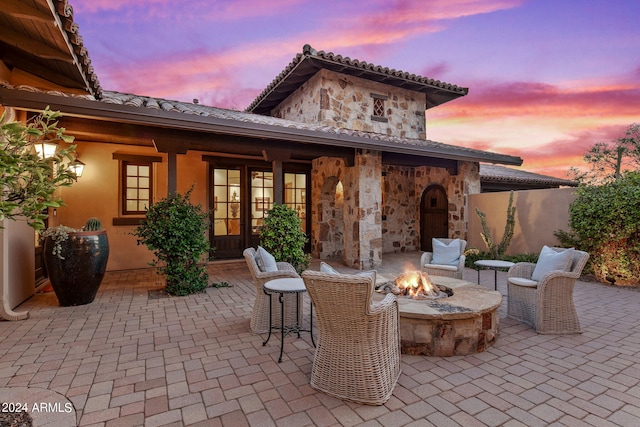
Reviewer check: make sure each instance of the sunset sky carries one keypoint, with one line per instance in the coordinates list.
(547, 78)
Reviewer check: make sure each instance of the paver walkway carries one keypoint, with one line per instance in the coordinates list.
(133, 359)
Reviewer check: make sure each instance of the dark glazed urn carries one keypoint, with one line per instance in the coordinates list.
(76, 278)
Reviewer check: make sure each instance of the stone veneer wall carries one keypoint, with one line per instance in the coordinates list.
(361, 209)
(338, 100)
(352, 229)
(467, 181)
(401, 223)
(403, 189)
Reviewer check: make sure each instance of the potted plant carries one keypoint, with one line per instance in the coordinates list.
(76, 261)
(29, 179)
(174, 229)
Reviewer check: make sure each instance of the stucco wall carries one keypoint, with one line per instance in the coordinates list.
(96, 194)
(538, 214)
(343, 101)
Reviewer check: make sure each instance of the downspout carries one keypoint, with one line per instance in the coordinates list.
(6, 312)
(5, 308)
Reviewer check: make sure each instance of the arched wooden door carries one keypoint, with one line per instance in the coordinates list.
(434, 216)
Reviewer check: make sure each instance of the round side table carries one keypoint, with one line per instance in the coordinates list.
(495, 265)
(285, 286)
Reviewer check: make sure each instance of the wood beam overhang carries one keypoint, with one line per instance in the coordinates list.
(33, 47)
(102, 131)
(19, 9)
(415, 161)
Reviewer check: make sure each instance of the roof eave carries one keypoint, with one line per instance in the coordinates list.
(83, 107)
(437, 94)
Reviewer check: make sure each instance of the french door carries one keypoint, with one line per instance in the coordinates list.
(241, 196)
(226, 222)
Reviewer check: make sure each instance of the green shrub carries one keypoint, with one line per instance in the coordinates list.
(282, 236)
(472, 255)
(28, 183)
(174, 230)
(606, 223)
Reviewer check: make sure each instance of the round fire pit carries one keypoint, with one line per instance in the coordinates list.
(464, 323)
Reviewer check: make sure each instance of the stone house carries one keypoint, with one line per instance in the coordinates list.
(341, 141)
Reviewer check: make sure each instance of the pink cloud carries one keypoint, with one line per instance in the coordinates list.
(385, 23)
(487, 100)
(215, 78)
(204, 9)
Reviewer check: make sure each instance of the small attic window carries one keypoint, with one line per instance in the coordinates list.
(378, 108)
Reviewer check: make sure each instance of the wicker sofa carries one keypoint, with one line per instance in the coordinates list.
(358, 347)
(260, 315)
(546, 304)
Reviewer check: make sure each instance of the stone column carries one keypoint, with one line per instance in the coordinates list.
(363, 211)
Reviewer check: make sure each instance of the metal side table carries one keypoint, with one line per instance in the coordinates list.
(495, 265)
(286, 286)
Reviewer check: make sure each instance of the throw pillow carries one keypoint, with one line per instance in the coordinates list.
(550, 260)
(446, 254)
(266, 261)
(326, 268)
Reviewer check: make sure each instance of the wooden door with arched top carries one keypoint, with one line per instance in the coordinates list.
(434, 216)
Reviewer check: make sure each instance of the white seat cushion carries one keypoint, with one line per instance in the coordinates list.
(521, 281)
(266, 261)
(447, 254)
(443, 267)
(550, 260)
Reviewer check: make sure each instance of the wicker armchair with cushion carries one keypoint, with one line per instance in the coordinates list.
(272, 270)
(541, 295)
(358, 346)
(447, 258)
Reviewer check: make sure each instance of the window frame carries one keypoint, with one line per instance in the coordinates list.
(126, 217)
(124, 190)
(379, 112)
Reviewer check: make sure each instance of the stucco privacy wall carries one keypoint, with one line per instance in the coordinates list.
(538, 214)
(343, 101)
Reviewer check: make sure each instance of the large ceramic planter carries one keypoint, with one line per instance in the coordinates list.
(76, 278)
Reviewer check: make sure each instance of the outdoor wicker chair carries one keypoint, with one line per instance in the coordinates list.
(546, 304)
(358, 346)
(432, 268)
(260, 315)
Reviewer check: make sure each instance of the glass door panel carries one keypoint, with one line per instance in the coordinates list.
(261, 198)
(226, 213)
(226, 202)
(295, 195)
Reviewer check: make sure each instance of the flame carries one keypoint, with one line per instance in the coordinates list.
(416, 284)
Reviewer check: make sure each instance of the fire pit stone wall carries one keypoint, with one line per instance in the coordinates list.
(464, 323)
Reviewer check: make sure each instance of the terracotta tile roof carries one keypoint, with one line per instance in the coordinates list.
(496, 173)
(175, 110)
(427, 146)
(65, 12)
(310, 61)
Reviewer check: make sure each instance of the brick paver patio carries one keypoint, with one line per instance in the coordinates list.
(132, 358)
